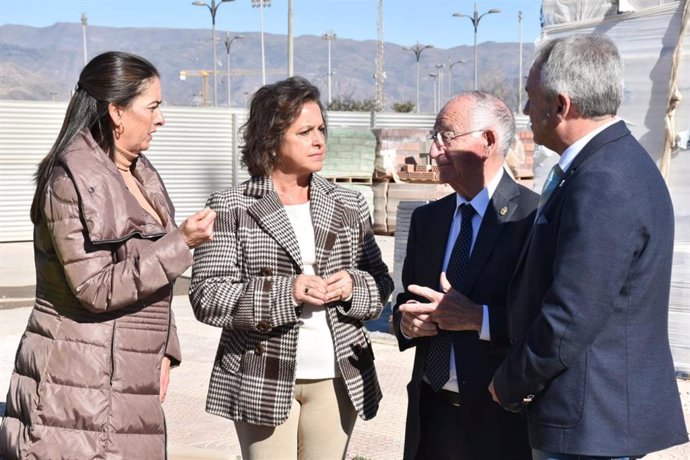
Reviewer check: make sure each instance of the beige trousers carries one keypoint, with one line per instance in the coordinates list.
(318, 428)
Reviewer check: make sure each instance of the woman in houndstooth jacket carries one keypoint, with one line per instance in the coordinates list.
(291, 274)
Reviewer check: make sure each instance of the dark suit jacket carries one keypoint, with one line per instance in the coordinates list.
(504, 228)
(588, 309)
(242, 281)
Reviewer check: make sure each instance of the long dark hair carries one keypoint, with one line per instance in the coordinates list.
(272, 110)
(112, 77)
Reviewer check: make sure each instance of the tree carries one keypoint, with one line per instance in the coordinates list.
(403, 107)
(349, 104)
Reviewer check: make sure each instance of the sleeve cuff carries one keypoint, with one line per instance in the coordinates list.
(485, 332)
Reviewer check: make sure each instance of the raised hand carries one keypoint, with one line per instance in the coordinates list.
(198, 228)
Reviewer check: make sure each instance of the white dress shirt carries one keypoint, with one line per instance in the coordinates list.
(480, 203)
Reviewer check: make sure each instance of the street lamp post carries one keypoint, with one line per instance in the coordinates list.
(435, 77)
(519, 83)
(261, 4)
(475, 18)
(450, 75)
(213, 8)
(291, 38)
(84, 23)
(228, 43)
(417, 50)
(329, 37)
(439, 72)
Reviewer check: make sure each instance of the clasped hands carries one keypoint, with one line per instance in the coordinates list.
(316, 290)
(449, 310)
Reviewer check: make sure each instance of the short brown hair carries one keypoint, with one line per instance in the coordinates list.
(272, 110)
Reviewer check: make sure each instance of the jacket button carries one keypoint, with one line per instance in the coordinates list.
(265, 271)
(263, 326)
(259, 349)
(357, 348)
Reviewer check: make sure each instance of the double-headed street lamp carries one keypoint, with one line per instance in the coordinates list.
(439, 72)
(329, 37)
(228, 43)
(450, 75)
(417, 50)
(475, 18)
(213, 8)
(261, 4)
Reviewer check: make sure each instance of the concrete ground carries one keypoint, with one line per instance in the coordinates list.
(194, 434)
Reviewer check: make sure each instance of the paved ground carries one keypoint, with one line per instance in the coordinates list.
(193, 434)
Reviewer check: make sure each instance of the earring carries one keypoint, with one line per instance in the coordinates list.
(119, 129)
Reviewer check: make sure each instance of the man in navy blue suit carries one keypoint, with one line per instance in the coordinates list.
(461, 253)
(590, 361)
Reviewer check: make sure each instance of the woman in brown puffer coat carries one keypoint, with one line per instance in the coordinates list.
(92, 367)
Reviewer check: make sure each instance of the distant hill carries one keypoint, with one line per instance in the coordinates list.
(44, 63)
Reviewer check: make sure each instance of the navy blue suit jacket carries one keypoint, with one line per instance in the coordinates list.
(588, 309)
(504, 228)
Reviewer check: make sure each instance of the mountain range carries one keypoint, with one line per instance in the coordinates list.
(44, 64)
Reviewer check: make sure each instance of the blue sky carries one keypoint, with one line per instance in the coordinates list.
(404, 21)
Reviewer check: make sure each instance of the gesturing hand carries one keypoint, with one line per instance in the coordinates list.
(198, 228)
(450, 310)
(416, 324)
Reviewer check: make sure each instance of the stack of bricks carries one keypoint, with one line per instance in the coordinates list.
(418, 173)
(407, 143)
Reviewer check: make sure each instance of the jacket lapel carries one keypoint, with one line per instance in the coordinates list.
(154, 191)
(500, 210)
(270, 215)
(110, 212)
(436, 239)
(610, 134)
(328, 218)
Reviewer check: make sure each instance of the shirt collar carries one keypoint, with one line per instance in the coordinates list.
(571, 152)
(481, 200)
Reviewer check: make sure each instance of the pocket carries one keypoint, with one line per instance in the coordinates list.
(231, 349)
(561, 404)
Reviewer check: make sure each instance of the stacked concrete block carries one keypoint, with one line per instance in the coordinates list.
(350, 155)
(389, 195)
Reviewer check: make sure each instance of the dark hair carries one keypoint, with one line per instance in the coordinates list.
(272, 110)
(111, 77)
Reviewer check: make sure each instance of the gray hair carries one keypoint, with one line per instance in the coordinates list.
(586, 67)
(488, 111)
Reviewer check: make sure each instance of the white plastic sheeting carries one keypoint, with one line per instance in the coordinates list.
(555, 12)
(646, 35)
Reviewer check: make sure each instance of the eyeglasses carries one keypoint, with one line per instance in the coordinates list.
(443, 138)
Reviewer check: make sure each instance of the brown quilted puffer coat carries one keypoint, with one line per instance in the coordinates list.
(87, 372)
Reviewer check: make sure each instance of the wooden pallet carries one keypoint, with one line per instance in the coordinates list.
(351, 180)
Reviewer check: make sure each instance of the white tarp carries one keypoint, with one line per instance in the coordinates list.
(646, 35)
(646, 39)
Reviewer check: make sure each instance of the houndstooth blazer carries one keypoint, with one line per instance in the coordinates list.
(242, 281)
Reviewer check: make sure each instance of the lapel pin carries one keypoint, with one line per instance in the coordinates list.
(503, 211)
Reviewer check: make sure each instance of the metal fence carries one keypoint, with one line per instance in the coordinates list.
(196, 152)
